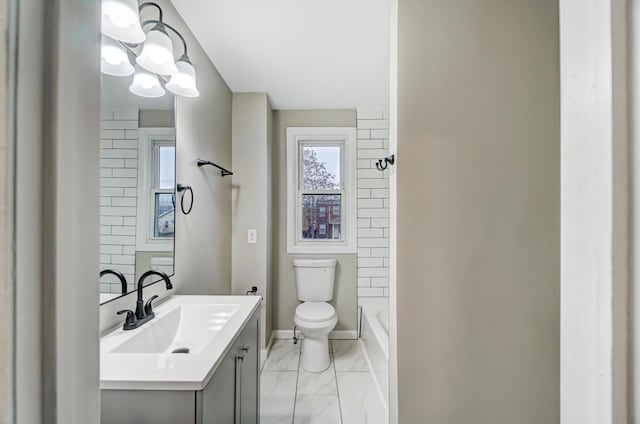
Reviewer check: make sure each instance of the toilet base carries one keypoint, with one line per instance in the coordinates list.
(315, 353)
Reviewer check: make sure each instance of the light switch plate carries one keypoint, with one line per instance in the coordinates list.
(252, 236)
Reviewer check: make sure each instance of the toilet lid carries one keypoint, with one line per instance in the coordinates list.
(315, 311)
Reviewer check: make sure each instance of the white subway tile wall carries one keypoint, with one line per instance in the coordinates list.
(118, 196)
(373, 203)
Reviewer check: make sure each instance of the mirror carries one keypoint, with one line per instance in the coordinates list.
(137, 181)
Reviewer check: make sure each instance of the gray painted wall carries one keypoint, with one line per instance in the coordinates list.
(203, 238)
(203, 130)
(269, 322)
(285, 300)
(251, 190)
(56, 247)
(28, 223)
(154, 118)
(70, 249)
(478, 215)
(6, 287)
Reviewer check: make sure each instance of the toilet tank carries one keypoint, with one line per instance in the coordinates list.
(314, 279)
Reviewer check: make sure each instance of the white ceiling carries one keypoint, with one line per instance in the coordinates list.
(306, 54)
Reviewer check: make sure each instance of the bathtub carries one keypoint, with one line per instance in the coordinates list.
(374, 338)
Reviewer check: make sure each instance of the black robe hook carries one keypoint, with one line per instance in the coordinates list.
(383, 164)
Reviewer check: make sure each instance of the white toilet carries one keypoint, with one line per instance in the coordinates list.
(315, 318)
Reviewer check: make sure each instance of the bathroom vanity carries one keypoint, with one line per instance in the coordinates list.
(196, 362)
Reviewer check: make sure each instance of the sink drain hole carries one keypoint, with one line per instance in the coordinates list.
(181, 350)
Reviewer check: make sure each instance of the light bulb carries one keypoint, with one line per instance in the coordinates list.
(115, 60)
(121, 21)
(183, 83)
(157, 53)
(146, 84)
(146, 81)
(113, 55)
(119, 15)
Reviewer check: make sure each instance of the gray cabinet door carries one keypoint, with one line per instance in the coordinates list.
(231, 397)
(250, 373)
(218, 398)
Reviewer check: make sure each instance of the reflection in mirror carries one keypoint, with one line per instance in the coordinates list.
(137, 181)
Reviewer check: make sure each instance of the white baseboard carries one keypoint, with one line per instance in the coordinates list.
(270, 343)
(264, 353)
(336, 335)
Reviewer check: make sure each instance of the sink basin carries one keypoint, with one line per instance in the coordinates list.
(179, 349)
(188, 326)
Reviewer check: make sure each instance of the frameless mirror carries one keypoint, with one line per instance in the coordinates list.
(137, 181)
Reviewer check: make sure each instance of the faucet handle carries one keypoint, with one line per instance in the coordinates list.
(148, 308)
(131, 319)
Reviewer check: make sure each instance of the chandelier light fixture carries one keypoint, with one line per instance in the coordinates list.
(183, 82)
(146, 84)
(121, 21)
(155, 69)
(114, 59)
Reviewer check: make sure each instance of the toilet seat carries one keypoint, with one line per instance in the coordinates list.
(315, 312)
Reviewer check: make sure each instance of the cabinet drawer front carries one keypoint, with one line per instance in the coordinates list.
(147, 407)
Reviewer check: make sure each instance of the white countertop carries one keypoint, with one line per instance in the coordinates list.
(121, 369)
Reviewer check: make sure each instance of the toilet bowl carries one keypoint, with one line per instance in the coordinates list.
(315, 320)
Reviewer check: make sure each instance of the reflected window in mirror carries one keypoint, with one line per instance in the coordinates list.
(164, 200)
(158, 197)
(137, 180)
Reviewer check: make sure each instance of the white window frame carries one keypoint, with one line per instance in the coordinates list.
(147, 138)
(297, 137)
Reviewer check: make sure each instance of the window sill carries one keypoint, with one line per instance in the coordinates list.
(330, 249)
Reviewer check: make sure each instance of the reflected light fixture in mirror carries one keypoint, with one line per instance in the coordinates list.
(153, 51)
(157, 52)
(121, 21)
(146, 84)
(114, 59)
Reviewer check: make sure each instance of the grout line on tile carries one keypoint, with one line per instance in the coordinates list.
(335, 374)
(295, 393)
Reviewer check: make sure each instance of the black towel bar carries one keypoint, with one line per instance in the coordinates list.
(224, 172)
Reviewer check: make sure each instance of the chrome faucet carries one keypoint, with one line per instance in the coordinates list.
(144, 312)
(121, 277)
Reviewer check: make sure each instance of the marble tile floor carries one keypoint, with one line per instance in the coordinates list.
(343, 394)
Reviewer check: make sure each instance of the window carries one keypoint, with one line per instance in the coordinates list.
(335, 231)
(164, 171)
(321, 210)
(155, 226)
